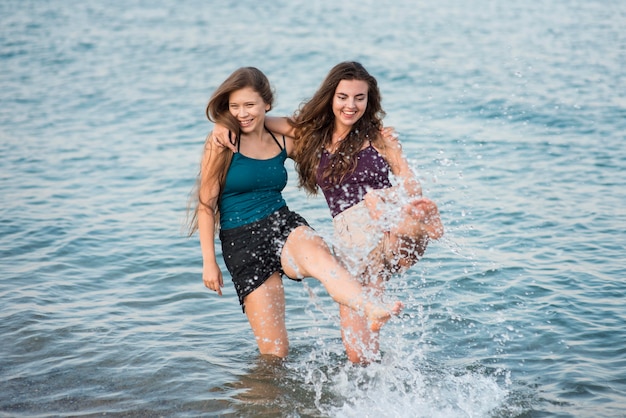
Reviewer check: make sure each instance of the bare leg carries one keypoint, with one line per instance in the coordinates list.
(361, 342)
(407, 241)
(305, 254)
(418, 223)
(265, 309)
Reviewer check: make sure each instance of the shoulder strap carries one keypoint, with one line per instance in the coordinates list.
(276, 140)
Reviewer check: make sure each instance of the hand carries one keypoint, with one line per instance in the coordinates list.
(222, 137)
(212, 277)
(425, 211)
(389, 133)
(376, 200)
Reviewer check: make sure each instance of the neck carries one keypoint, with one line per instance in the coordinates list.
(255, 135)
(339, 134)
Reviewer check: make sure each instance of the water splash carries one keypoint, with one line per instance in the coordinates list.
(403, 384)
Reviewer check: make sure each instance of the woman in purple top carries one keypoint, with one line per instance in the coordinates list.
(380, 229)
(342, 149)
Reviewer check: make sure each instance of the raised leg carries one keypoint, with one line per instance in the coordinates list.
(305, 254)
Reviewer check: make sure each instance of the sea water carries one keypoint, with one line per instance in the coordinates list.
(513, 116)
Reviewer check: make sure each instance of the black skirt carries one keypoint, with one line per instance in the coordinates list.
(252, 252)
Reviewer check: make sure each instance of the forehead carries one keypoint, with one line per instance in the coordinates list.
(352, 87)
(246, 94)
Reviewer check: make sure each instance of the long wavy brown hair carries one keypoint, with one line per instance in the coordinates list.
(314, 122)
(217, 111)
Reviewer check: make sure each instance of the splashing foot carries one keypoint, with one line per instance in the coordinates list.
(380, 315)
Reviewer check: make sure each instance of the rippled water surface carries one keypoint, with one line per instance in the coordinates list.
(513, 116)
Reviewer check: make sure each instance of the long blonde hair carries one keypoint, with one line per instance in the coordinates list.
(314, 122)
(217, 111)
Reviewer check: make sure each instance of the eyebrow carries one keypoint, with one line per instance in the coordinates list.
(244, 103)
(356, 95)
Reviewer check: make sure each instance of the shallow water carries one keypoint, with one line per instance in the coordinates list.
(512, 115)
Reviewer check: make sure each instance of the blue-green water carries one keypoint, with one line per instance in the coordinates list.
(513, 115)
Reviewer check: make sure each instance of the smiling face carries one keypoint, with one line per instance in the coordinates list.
(248, 107)
(349, 103)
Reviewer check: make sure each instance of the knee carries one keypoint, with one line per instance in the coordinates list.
(403, 253)
(277, 349)
(304, 240)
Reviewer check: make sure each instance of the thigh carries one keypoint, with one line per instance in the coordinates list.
(265, 309)
(359, 242)
(306, 254)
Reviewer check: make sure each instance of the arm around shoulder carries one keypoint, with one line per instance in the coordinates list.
(222, 137)
(279, 124)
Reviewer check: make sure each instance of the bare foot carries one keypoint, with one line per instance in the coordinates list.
(380, 315)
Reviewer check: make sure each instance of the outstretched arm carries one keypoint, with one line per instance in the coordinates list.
(422, 209)
(399, 164)
(392, 152)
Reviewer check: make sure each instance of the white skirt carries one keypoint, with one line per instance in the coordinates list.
(357, 235)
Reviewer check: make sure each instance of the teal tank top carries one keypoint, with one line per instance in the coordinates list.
(253, 189)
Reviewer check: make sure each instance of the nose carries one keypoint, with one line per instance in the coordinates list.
(242, 112)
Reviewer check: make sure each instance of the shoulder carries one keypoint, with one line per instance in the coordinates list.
(391, 150)
(389, 140)
(387, 146)
(212, 149)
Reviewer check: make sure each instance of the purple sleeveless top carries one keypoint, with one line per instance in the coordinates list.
(371, 172)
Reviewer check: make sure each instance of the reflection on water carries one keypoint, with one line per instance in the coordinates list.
(270, 388)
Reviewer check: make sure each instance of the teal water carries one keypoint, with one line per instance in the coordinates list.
(513, 116)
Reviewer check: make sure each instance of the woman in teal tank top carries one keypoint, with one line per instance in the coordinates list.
(261, 238)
